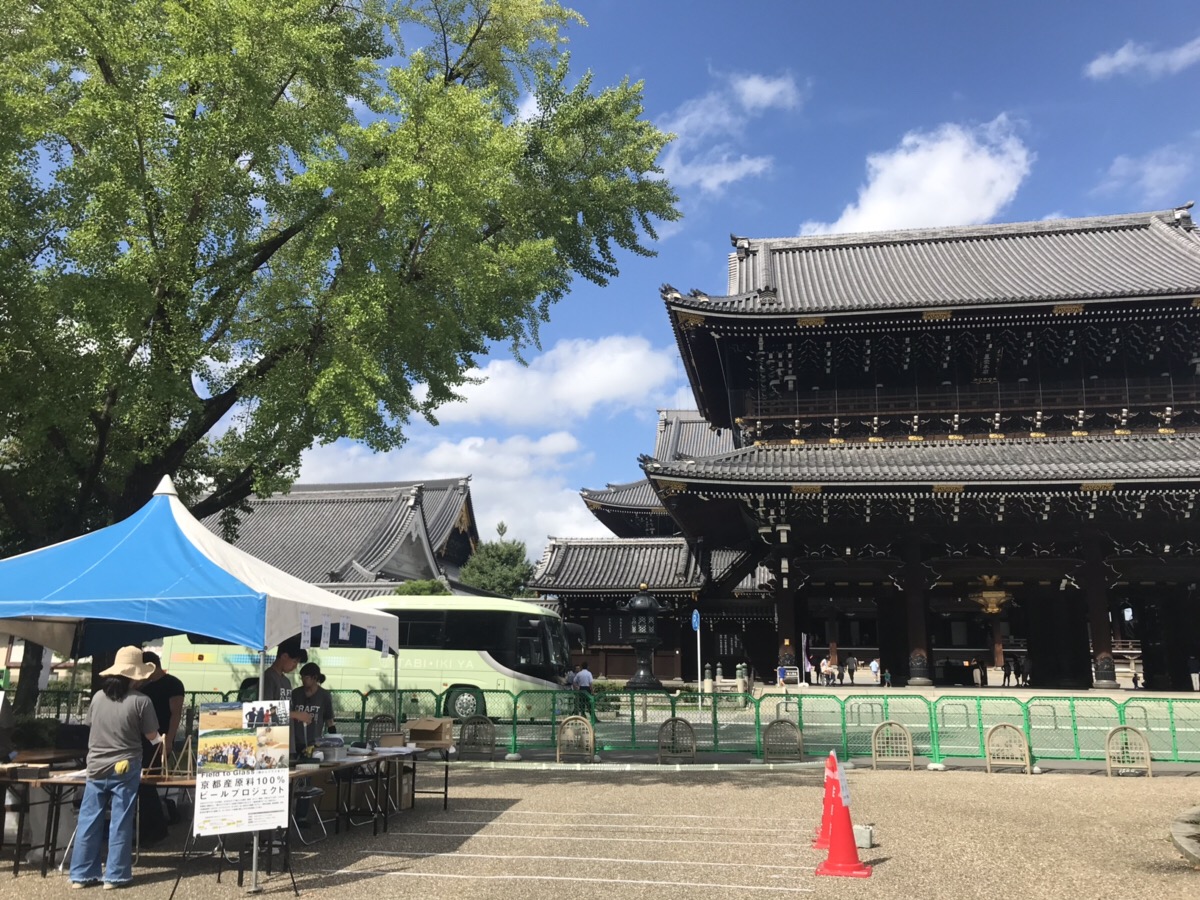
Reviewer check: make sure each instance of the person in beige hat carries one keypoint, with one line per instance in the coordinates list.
(118, 717)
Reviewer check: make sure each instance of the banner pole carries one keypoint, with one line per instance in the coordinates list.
(262, 677)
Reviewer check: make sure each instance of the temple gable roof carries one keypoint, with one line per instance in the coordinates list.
(1154, 254)
(620, 565)
(358, 532)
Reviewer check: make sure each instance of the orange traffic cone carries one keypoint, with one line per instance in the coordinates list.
(826, 826)
(843, 854)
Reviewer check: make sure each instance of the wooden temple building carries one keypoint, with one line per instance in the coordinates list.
(926, 445)
(360, 540)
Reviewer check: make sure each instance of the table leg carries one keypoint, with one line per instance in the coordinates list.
(23, 799)
(50, 840)
(445, 779)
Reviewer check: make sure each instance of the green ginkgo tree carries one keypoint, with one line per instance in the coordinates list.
(231, 229)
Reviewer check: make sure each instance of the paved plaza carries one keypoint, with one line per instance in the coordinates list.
(737, 832)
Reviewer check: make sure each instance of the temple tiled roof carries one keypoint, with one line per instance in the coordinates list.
(1130, 458)
(685, 433)
(637, 495)
(624, 508)
(1106, 257)
(359, 531)
(621, 565)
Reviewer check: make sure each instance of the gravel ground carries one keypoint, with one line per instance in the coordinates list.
(734, 833)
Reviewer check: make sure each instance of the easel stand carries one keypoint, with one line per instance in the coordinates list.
(270, 838)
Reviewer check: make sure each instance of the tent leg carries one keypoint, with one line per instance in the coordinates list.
(396, 687)
(255, 887)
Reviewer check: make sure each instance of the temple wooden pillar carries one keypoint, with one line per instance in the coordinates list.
(997, 643)
(1165, 649)
(789, 636)
(1095, 592)
(914, 608)
(892, 631)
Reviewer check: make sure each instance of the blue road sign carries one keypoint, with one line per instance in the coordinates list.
(695, 620)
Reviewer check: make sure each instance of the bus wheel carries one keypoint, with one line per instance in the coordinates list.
(462, 703)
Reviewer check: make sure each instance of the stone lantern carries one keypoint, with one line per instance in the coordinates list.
(643, 611)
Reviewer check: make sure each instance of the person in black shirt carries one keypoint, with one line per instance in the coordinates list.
(166, 693)
(317, 702)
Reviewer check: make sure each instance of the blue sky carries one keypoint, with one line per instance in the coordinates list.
(807, 117)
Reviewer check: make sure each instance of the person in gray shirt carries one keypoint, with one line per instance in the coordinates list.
(119, 717)
(276, 684)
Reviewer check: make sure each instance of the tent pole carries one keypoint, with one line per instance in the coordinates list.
(396, 687)
(262, 677)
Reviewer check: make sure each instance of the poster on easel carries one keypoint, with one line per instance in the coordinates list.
(242, 757)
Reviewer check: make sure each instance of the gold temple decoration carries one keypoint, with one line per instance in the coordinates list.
(667, 488)
(991, 601)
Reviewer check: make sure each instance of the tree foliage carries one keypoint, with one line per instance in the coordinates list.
(231, 229)
(501, 566)
(425, 587)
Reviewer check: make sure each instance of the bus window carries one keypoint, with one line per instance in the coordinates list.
(421, 629)
(531, 643)
(491, 632)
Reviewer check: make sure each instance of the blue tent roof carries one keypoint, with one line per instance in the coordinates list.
(159, 572)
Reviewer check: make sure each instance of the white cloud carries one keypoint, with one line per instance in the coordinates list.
(569, 382)
(520, 480)
(527, 109)
(1133, 57)
(759, 92)
(953, 175)
(711, 130)
(1156, 177)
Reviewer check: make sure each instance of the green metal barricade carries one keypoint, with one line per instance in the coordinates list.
(822, 722)
(500, 707)
(536, 718)
(1185, 724)
(735, 723)
(1051, 731)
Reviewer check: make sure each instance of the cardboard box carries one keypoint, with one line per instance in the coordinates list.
(431, 733)
(393, 739)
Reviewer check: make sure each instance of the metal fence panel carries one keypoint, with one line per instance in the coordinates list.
(736, 718)
(822, 722)
(1051, 733)
(1094, 718)
(1185, 721)
(612, 718)
(1152, 717)
(698, 710)
(500, 707)
(648, 710)
(537, 717)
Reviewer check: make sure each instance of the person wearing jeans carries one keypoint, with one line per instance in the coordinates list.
(119, 717)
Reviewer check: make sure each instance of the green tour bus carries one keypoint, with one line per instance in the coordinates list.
(459, 646)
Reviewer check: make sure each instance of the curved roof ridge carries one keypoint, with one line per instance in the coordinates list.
(963, 232)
